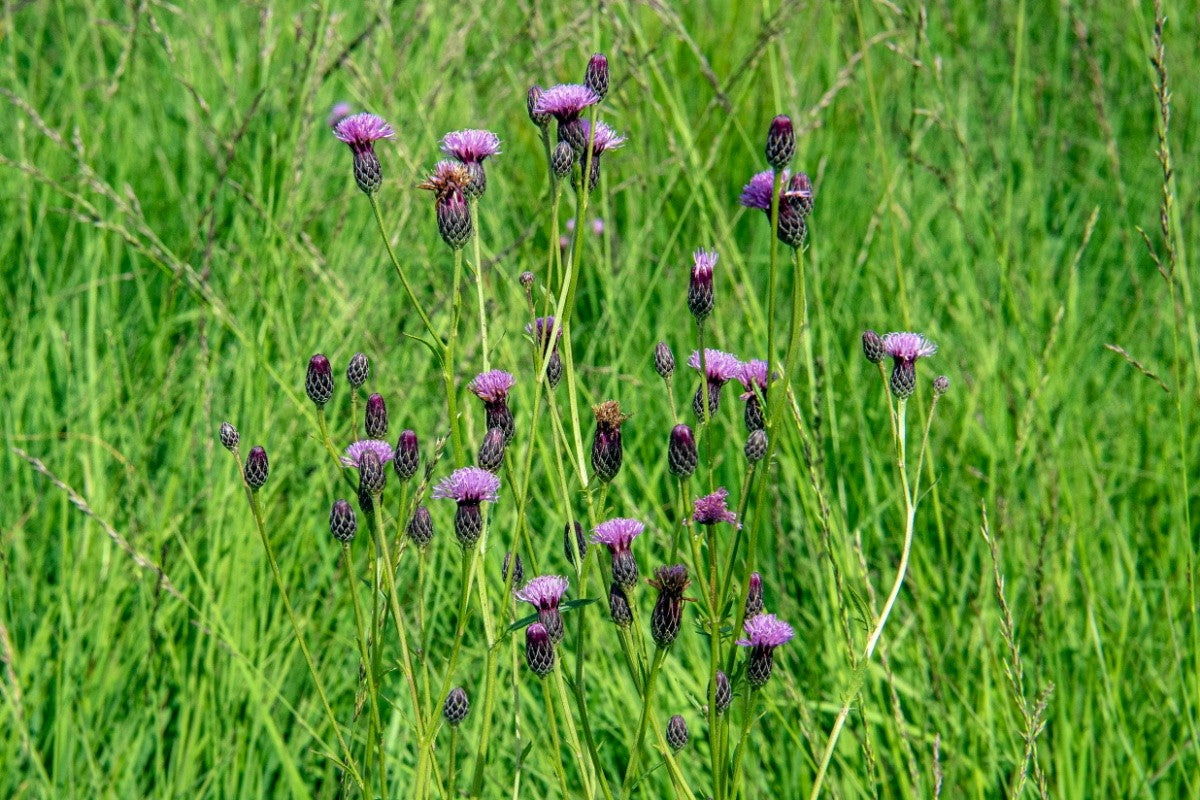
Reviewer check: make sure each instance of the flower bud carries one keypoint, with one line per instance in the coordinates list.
(724, 694)
(872, 346)
(229, 436)
(941, 385)
(420, 527)
(526, 279)
(561, 159)
(756, 446)
(580, 541)
(491, 450)
(342, 522)
(539, 650)
(596, 76)
(754, 596)
(456, 707)
(781, 142)
(357, 370)
(454, 219)
(318, 382)
(377, 418)
(677, 733)
(682, 455)
(518, 578)
(257, 467)
(618, 605)
(371, 475)
(531, 98)
(408, 455)
(607, 451)
(664, 360)
(667, 616)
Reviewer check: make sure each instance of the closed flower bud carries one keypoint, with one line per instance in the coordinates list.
(456, 707)
(420, 527)
(454, 219)
(667, 617)
(229, 436)
(561, 159)
(357, 370)
(554, 369)
(257, 467)
(700, 296)
(318, 382)
(664, 360)
(377, 418)
(756, 446)
(408, 455)
(872, 346)
(754, 596)
(539, 650)
(677, 733)
(618, 605)
(518, 578)
(468, 524)
(941, 385)
(580, 541)
(372, 477)
(792, 226)
(491, 450)
(342, 522)
(714, 400)
(682, 455)
(781, 142)
(596, 76)
(607, 451)
(531, 98)
(724, 693)
(526, 279)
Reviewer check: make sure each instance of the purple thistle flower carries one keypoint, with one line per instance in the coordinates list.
(711, 509)
(617, 535)
(757, 193)
(764, 633)
(565, 101)
(354, 453)
(492, 388)
(468, 486)
(361, 131)
(606, 138)
(543, 592)
(905, 349)
(338, 113)
(471, 146)
(700, 287)
(721, 367)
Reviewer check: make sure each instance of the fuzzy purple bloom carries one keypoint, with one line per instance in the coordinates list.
(617, 535)
(757, 193)
(493, 386)
(711, 509)
(471, 146)
(720, 366)
(543, 592)
(606, 138)
(361, 131)
(469, 485)
(908, 346)
(565, 101)
(764, 633)
(753, 375)
(354, 453)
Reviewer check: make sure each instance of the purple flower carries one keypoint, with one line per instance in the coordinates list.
(493, 386)
(597, 226)
(757, 193)
(606, 138)
(469, 485)
(544, 326)
(617, 534)
(543, 592)
(908, 347)
(338, 113)
(471, 146)
(721, 366)
(700, 287)
(361, 131)
(753, 375)
(565, 101)
(711, 509)
(354, 453)
(766, 630)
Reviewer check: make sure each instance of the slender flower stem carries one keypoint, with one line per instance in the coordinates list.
(412, 296)
(776, 181)
(448, 354)
(647, 700)
(680, 783)
(333, 453)
(353, 413)
(483, 337)
(556, 744)
(740, 754)
(461, 627)
(714, 649)
(910, 512)
(451, 774)
(706, 422)
(376, 737)
(581, 758)
(256, 511)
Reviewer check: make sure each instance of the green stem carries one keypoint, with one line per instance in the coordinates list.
(256, 511)
(377, 732)
(740, 754)
(573, 736)
(483, 337)
(460, 452)
(451, 775)
(333, 453)
(647, 700)
(556, 744)
(706, 421)
(412, 296)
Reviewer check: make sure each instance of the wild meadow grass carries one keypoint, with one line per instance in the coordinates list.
(183, 232)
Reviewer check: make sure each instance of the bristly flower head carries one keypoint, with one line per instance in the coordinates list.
(719, 365)
(682, 454)
(565, 101)
(700, 287)
(764, 633)
(905, 349)
(318, 380)
(607, 449)
(342, 522)
(539, 650)
(544, 327)
(667, 616)
(492, 386)
(361, 131)
(354, 453)
(753, 375)
(711, 509)
(543, 592)
(606, 138)
(618, 533)
(448, 175)
(229, 436)
(873, 346)
(257, 468)
(757, 193)
(469, 485)
(471, 146)
(456, 707)
(664, 360)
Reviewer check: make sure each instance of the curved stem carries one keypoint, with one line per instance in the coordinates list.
(412, 296)
(573, 736)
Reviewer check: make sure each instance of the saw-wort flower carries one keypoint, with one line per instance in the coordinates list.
(618, 535)
(492, 388)
(753, 375)
(764, 633)
(905, 348)
(719, 368)
(469, 487)
(471, 147)
(700, 287)
(565, 102)
(544, 593)
(711, 509)
(360, 132)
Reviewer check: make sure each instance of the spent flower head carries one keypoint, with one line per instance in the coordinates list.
(448, 176)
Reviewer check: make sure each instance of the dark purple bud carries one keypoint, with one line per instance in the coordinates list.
(541, 120)
(372, 477)
(491, 450)
(357, 370)
(596, 76)
(527, 279)
(700, 296)
(759, 666)
(941, 385)
(454, 218)
(377, 418)
(580, 541)
(792, 227)
(904, 378)
(468, 524)
(606, 444)
(478, 183)
(420, 527)
(667, 617)
(799, 193)
(342, 522)
(572, 133)
(553, 622)
(368, 174)
(781, 142)
(872, 345)
(755, 421)
(554, 369)
(664, 360)
(714, 400)
(408, 455)
(594, 173)
(499, 415)
(682, 455)
(365, 503)
(518, 578)
(456, 707)
(539, 650)
(618, 605)
(318, 382)
(724, 693)
(756, 446)
(625, 568)
(257, 467)
(754, 596)
(677, 733)
(229, 436)
(561, 159)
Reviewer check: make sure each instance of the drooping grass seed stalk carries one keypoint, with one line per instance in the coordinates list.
(376, 729)
(256, 511)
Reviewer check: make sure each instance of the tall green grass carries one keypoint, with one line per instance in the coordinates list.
(182, 232)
